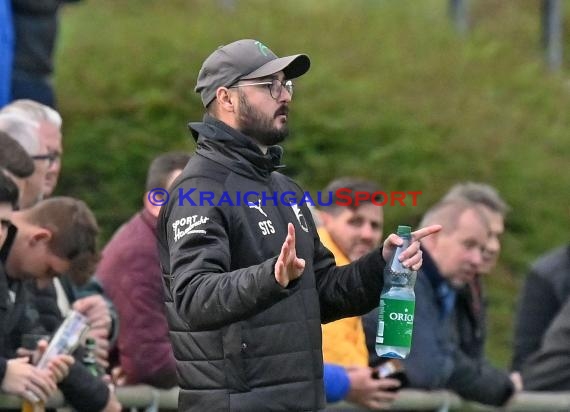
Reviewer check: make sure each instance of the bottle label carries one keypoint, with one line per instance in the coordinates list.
(395, 322)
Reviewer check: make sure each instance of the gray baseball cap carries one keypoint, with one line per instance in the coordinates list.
(243, 60)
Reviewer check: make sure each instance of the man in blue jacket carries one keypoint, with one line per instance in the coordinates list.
(451, 259)
(6, 50)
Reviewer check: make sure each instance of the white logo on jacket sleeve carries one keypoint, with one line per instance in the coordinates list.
(190, 222)
(300, 217)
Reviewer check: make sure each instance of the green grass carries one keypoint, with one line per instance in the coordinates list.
(394, 94)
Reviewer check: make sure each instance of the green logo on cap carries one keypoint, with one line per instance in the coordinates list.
(262, 47)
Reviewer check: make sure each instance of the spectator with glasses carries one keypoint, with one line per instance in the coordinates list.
(48, 124)
(248, 285)
(37, 128)
(30, 119)
(25, 132)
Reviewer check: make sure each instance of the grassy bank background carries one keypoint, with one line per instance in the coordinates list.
(394, 94)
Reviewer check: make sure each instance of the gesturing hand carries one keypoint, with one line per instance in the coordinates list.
(412, 256)
(288, 266)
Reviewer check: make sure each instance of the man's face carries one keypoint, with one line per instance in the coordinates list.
(355, 232)
(50, 135)
(31, 256)
(458, 253)
(261, 116)
(493, 246)
(32, 189)
(5, 220)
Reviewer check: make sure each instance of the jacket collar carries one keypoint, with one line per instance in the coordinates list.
(444, 292)
(222, 143)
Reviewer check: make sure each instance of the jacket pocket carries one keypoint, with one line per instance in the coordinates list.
(233, 358)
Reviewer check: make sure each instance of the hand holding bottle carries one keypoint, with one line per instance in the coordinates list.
(58, 365)
(397, 300)
(34, 346)
(412, 256)
(96, 309)
(26, 380)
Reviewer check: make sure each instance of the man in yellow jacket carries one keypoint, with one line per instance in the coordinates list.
(351, 228)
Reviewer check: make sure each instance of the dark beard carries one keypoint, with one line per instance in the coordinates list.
(258, 126)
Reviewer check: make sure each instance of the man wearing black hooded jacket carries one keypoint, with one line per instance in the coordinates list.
(54, 236)
(247, 280)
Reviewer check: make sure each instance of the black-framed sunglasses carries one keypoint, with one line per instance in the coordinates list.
(51, 157)
(275, 87)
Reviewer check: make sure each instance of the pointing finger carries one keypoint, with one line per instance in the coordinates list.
(425, 231)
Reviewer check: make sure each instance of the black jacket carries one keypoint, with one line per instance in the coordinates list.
(546, 290)
(19, 316)
(241, 341)
(471, 319)
(548, 368)
(542, 331)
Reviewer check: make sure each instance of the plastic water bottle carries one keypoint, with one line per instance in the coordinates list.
(66, 338)
(397, 304)
(64, 341)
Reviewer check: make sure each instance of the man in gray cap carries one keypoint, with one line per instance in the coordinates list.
(247, 281)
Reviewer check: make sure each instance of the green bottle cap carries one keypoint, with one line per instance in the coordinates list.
(404, 230)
